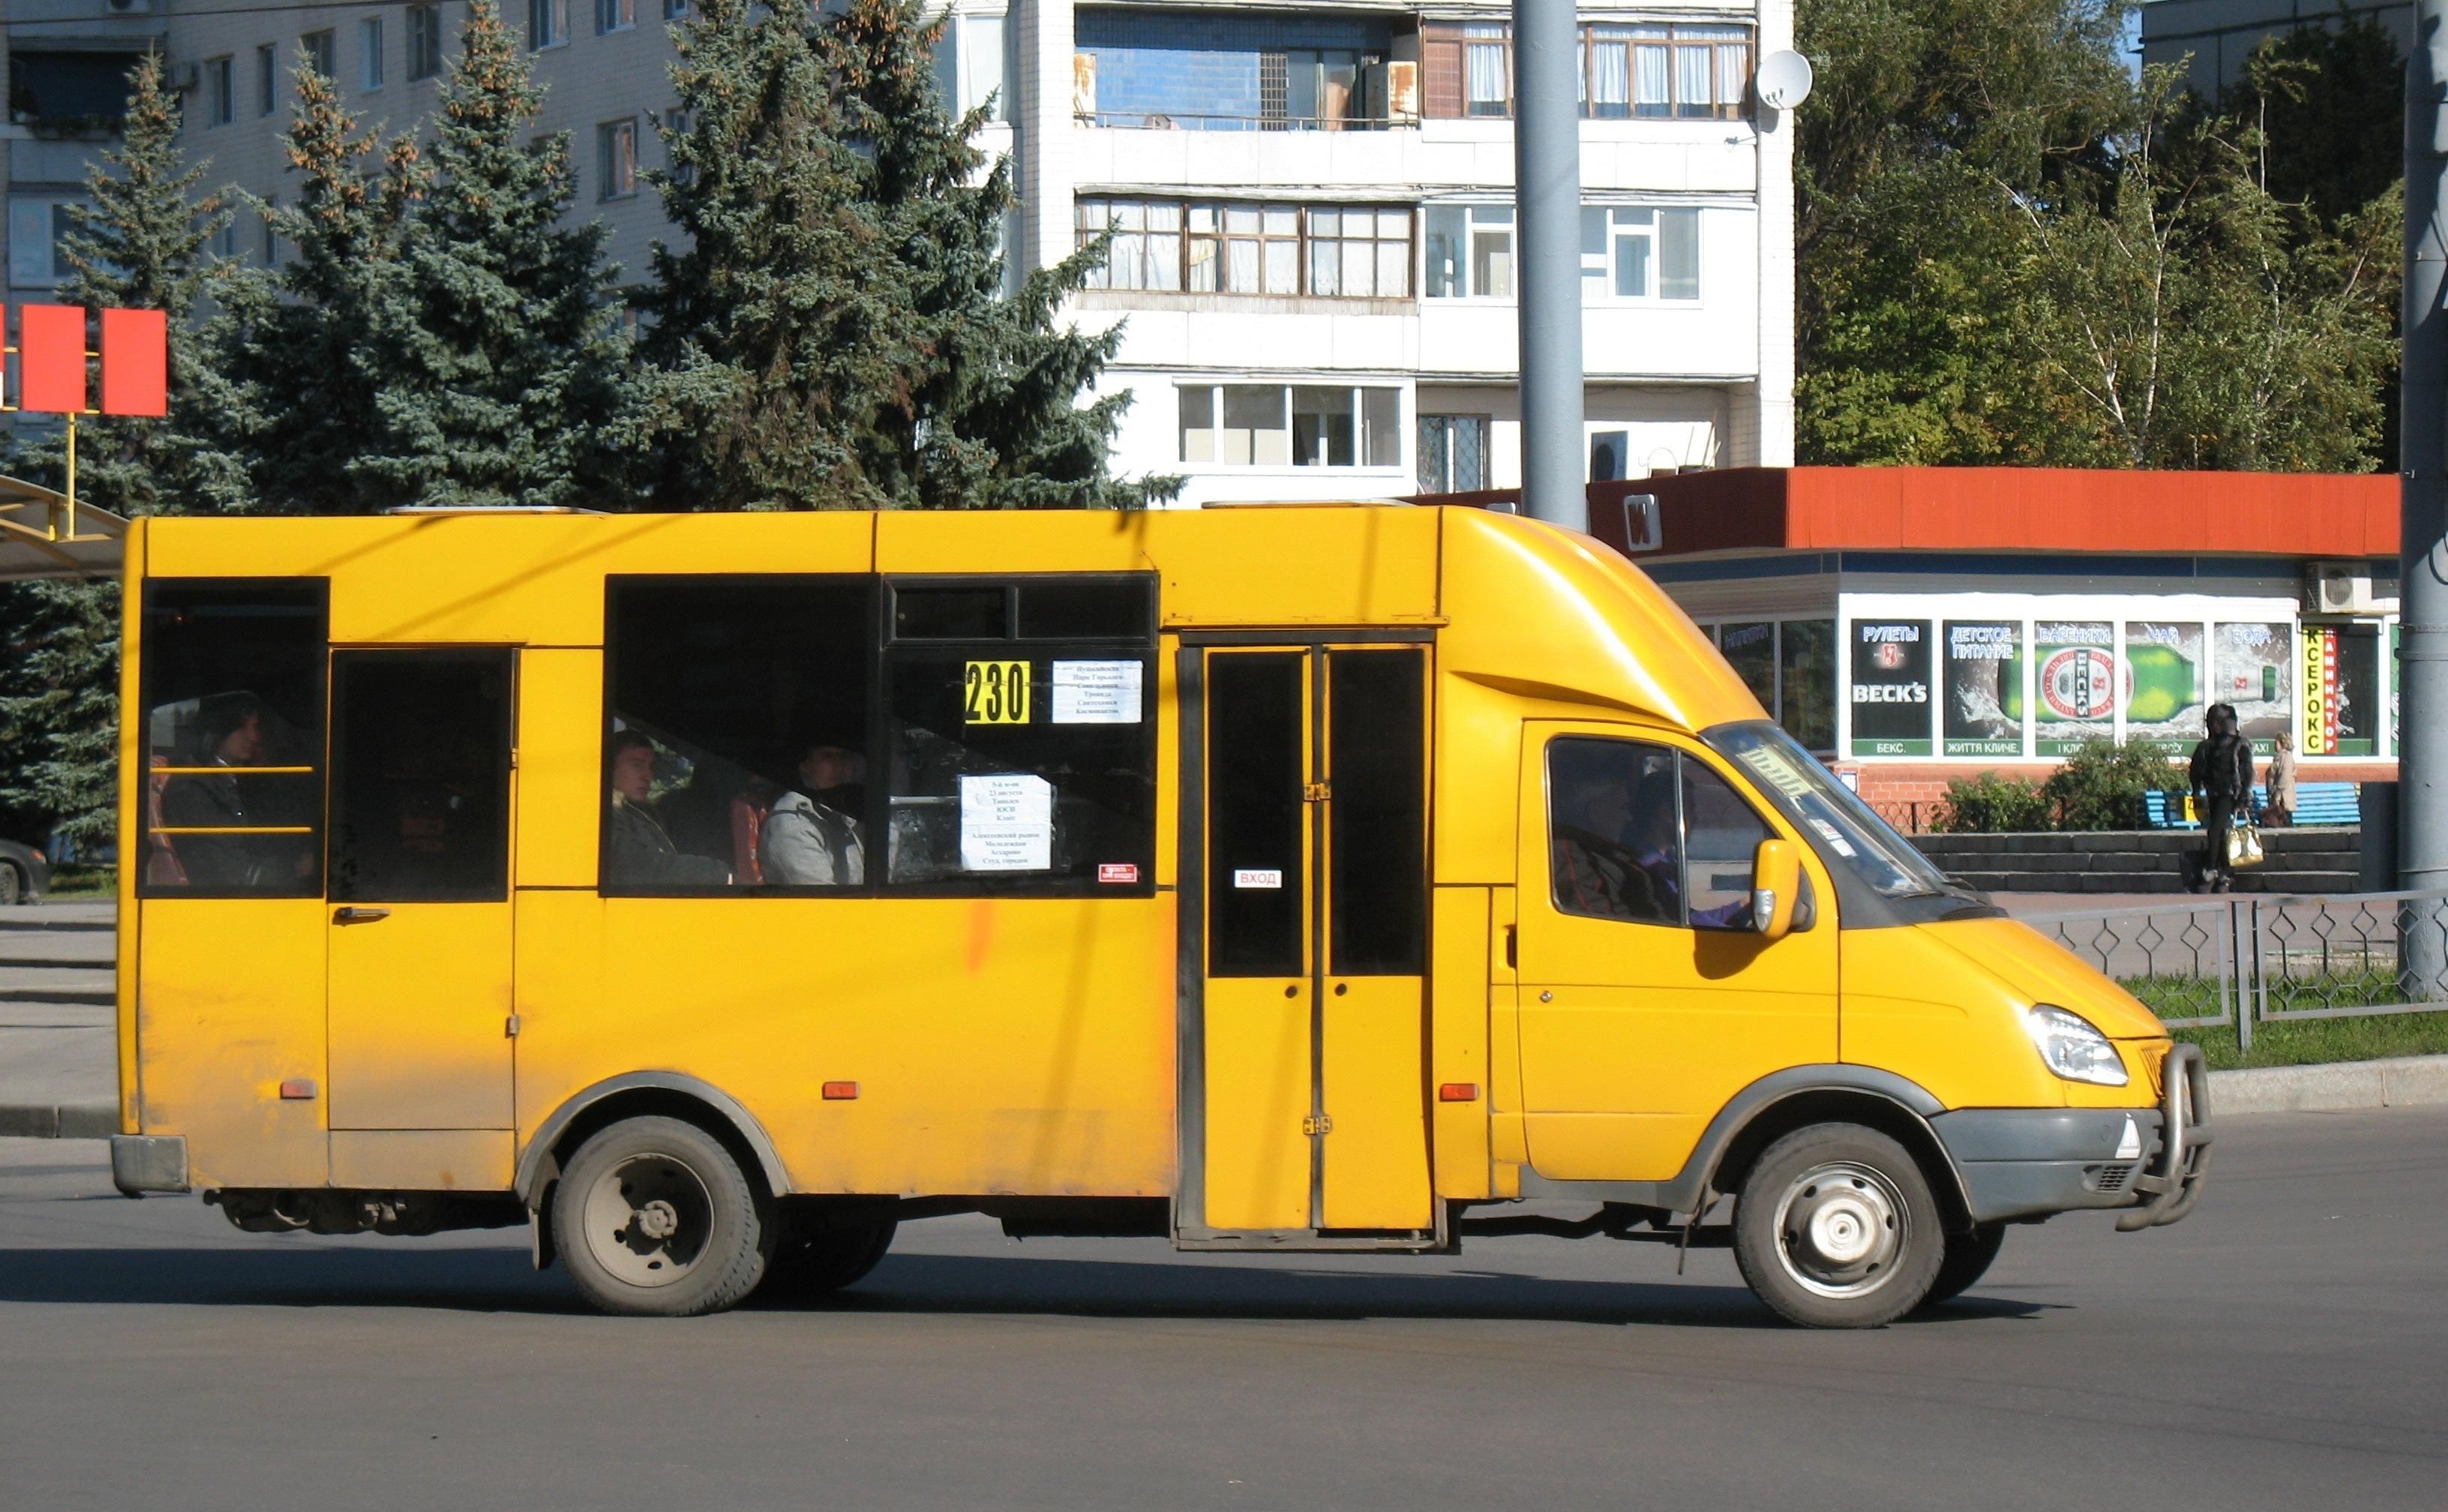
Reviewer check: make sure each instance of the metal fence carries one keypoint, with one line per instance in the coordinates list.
(2270, 957)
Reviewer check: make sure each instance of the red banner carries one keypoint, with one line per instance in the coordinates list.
(50, 359)
(135, 362)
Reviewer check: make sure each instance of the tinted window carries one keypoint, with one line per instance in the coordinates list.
(739, 732)
(1375, 715)
(1257, 872)
(233, 698)
(420, 776)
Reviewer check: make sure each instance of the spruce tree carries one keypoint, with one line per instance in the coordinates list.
(836, 333)
(515, 363)
(989, 416)
(310, 346)
(771, 331)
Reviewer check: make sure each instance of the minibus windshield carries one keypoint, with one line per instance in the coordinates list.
(1842, 827)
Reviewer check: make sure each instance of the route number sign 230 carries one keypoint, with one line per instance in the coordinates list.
(995, 692)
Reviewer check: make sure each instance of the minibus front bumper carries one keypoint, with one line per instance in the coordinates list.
(2026, 1163)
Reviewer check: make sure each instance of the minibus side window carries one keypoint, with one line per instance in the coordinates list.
(1643, 833)
(737, 733)
(1019, 749)
(233, 704)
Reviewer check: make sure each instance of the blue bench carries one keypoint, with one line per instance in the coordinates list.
(2315, 803)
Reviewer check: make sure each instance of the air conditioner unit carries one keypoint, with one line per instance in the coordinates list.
(1403, 91)
(2338, 588)
(1083, 85)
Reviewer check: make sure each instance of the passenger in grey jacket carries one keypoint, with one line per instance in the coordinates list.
(813, 836)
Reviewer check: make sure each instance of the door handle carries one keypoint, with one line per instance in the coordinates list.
(358, 916)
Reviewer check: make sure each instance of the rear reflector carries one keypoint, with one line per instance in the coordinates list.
(840, 1091)
(1458, 1092)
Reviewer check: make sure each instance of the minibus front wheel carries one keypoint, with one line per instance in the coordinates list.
(1835, 1228)
(654, 1216)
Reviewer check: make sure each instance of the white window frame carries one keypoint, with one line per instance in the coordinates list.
(1482, 218)
(1620, 223)
(617, 177)
(1214, 396)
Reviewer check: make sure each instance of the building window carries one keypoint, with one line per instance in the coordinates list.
(271, 230)
(547, 24)
(38, 232)
(1326, 250)
(972, 64)
(1487, 69)
(615, 159)
(370, 52)
(674, 9)
(1689, 72)
(1297, 425)
(225, 239)
(423, 42)
(322, 52)
(221, 95)
(1452, 452)
(267, 80)
(1470, 252)
(615, 15)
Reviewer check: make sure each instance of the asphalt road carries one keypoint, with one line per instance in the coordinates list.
(2286, 1347)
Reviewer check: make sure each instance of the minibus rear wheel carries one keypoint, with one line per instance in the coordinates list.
(654, 1218)
(816, 1258)
(1835, 1228)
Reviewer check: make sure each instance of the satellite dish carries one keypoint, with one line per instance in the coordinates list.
(1784, 80)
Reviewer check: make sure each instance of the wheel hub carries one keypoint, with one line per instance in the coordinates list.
(1840, 1228)
(649, 1221)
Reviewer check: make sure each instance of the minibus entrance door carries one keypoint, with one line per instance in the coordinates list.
(1313, 918)
(419, 984)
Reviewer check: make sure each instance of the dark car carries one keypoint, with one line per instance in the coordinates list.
(23, 875)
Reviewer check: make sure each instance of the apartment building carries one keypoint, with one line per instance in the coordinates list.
(67, 63)
(1314, 244)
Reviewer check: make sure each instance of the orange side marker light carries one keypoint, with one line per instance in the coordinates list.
(1458, 1092)
(840, 1091)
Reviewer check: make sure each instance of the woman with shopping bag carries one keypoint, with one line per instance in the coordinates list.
(2222, 784)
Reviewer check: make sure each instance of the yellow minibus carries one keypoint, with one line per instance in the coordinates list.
(713, 893)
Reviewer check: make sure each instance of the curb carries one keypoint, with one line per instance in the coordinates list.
(2406, 1081)
(2412, 1080)
(45, 1120)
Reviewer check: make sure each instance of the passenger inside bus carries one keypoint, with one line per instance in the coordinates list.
(234, 733)
(637, 851)
(811, 836)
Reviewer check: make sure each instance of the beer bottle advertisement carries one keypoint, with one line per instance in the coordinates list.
(2075, 685)
(2163, 682)
(1984, 688)
(2251, 669)
(1890, 696)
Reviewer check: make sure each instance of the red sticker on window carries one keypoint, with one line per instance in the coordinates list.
(1118, 871)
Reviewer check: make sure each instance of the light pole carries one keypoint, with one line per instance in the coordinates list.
(2423, 667)
(1547, 221)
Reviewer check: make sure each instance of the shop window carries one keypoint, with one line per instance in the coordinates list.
(2252, 667)
(735, 702)
(1983, 713)
(2164, 678)
(1806, 682)
(2074, 684)
(1749, 648)
(1643, 835)
(2341, 690)
(232, 700)
(1023, 760)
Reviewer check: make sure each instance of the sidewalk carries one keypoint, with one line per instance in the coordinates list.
(59, 1061)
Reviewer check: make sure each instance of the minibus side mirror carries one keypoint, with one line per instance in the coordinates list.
(1777, 887)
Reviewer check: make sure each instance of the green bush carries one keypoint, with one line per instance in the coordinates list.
(2100, 786)
(1990, 804)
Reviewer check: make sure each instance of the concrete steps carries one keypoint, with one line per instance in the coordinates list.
(59, 1035)
(2311, 860)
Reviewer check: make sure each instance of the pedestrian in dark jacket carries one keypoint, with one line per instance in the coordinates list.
(2222, 784)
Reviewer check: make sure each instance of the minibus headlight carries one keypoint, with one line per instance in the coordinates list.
(2073, 1049)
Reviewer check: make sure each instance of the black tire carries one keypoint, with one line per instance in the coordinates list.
(1968, 1258)
(12, 884)
(818, 1256)
(677, 1228)
(1835, 1228)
